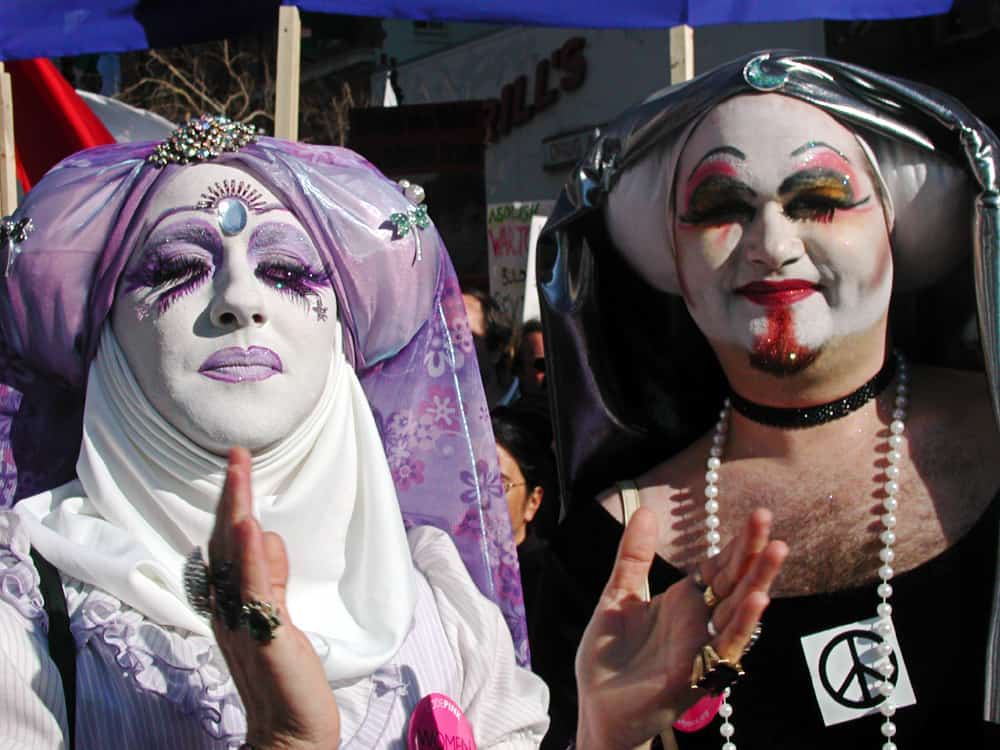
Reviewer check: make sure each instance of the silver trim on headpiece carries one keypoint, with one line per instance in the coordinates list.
(12, 234)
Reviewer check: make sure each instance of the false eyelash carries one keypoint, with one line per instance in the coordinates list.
(298, 280)
(186, 275)
(231, 189)
(158, 268)
(821, 210)
(718, 199)
(718, 213)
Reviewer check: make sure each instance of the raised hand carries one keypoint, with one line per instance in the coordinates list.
(288, 702)
(634, 663)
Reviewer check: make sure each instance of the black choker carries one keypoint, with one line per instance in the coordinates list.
(808, 416)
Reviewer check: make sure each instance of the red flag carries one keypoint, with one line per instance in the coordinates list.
(50, 120)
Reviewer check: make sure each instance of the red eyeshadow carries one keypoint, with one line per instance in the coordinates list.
(711, 168)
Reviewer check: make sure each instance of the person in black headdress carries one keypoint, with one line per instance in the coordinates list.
(724, 281)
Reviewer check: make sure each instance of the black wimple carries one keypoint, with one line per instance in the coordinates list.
(808, 416)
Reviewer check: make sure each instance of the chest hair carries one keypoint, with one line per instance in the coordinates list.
(828, 505)
(831, 521)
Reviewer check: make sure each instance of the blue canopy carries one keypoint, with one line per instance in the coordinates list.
(54, 28)
(627, 13)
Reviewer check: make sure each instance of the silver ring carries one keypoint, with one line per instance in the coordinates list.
(226, 592)
(711, 629)
(698, 580)
(754, 637)
(195, 576)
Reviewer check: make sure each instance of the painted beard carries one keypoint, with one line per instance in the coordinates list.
(776, 348)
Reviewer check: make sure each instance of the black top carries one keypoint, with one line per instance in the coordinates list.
(533, 558)
(547, 587)
(940, 611)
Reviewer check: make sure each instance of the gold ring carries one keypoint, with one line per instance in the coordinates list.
(260, 620)
(710, 597)
(712, 673)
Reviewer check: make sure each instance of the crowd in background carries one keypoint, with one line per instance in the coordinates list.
(512, 364)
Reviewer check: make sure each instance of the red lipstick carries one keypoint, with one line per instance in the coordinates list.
(777, 293)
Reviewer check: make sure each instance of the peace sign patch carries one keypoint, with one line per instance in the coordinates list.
(842, 667)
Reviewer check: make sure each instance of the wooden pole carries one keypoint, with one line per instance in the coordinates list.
(286, 104)
(8, 162)
(681, 54)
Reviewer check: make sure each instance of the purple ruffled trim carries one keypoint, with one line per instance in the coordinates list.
(18, 578)
(189, 672)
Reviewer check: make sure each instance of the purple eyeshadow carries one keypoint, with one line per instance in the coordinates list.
(275, 234)
(286, 258)
(166, 246)
(175, 261)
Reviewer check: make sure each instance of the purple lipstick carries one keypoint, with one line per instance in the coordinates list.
(236, 365)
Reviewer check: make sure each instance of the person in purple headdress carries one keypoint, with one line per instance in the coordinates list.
(170, 590)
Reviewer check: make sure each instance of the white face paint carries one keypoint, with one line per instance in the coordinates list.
(780, 233)
(225, 313)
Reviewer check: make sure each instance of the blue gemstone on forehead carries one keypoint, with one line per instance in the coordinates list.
(232, 213)
(763, 74)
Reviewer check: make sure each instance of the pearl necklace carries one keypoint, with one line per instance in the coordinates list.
(883, 623)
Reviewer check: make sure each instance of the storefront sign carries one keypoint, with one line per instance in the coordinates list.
(567, 148)
(514, 109)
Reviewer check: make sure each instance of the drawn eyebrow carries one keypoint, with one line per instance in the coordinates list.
(273, 231)
(810, 145)
(276, 233)
(729, 150)
(194, 231)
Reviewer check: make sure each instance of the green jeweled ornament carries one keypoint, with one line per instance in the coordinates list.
(414, 218)
(204, 138)
(758, 75)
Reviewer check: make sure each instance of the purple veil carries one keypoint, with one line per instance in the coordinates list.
(400, 306)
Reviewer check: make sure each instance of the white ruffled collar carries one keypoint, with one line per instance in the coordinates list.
(146, 496)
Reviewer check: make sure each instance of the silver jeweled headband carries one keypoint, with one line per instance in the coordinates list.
(204, 138)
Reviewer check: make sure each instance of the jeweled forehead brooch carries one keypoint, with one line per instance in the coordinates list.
(12, 234)
(764, 74)
(201, 139)
(415, 217)
(231, 200)
(205, 138)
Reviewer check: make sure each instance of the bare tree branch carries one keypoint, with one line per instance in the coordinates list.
(194, 88)
(237, 78)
